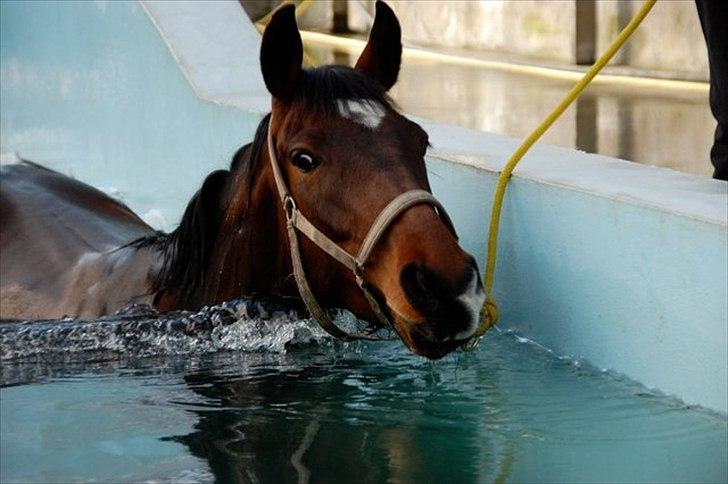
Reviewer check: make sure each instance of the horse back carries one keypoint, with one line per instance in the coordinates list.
(48, 224)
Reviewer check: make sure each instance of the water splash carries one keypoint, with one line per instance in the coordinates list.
(247, 325)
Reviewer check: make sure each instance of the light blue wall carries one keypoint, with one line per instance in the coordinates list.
(89, 89)
(628, 288)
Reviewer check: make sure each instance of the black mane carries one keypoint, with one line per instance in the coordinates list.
(187, 250)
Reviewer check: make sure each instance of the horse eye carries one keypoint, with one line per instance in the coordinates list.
(304, 161)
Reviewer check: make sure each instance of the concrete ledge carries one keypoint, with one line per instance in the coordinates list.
(217, 49)
(649, 186)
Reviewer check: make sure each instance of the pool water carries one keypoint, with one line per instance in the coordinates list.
(325, 411)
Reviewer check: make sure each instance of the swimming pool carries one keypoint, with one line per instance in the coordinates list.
(363, 412)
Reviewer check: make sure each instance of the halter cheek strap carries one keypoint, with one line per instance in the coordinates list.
(297, 222)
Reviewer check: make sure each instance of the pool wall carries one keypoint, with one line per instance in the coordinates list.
(622, 265)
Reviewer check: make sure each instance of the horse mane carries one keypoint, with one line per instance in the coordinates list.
(187, 250)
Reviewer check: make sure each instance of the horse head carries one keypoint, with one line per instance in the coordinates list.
(344, 153)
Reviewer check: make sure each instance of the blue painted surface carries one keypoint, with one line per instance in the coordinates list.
(629, 288)
(90, 90)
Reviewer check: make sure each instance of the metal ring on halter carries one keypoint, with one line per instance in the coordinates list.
(289, 207)
(359, 274)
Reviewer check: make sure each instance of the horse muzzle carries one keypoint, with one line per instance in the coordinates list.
(448, 312)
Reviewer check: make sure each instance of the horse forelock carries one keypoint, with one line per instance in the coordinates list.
(322, 90)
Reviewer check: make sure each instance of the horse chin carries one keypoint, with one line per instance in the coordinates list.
(413, 328)
(420, 346)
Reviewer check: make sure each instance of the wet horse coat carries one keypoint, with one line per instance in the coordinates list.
(344, 152)
(61, 248)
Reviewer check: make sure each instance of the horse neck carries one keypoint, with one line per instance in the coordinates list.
(250, 252)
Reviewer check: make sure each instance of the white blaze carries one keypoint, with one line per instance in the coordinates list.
(363, 111)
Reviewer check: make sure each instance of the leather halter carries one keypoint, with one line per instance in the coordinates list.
(296, 221)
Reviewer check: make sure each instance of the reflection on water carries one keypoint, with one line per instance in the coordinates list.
(351, 413)
(665, 128)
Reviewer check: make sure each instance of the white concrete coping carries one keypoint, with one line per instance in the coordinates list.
(649, 186)
(217, 48)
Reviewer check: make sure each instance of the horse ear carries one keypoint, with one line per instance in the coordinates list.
(383, 53)
(281, 53)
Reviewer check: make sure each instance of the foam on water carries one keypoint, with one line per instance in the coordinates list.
(238, 325)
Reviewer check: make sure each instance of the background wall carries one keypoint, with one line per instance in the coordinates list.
(528, 27)
(670, 39)
(669, 43)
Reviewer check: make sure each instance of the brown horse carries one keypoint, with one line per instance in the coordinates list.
(342, 153)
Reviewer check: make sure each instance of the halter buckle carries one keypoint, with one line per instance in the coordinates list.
(359, 275)
(289, 207)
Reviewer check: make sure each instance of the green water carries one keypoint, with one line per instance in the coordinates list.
(359, 413)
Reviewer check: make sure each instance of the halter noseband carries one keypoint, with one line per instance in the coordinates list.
(295, 220)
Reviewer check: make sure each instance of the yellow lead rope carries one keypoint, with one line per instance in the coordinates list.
(489, 313)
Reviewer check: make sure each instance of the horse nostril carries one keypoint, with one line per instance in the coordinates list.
(425, 290)
(451, 308)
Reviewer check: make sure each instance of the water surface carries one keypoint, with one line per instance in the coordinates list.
(330, 412)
